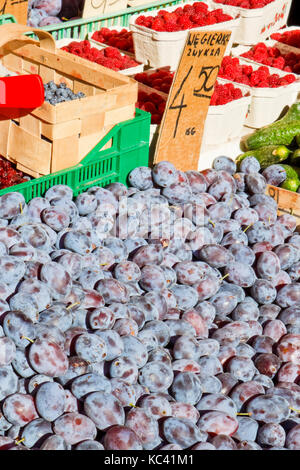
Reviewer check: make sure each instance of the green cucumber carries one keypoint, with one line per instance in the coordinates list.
(291, 184)
(291, 173)
(274, 135)
(267, 135)
(266, 156)
(292, 181)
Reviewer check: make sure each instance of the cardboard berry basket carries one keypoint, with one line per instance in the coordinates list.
(267, 104)
(132, 70)
(283, 48)
(225, 122)
(259, 23)
(52, 138)
(158, 49)
(285, 30)
(103, 44)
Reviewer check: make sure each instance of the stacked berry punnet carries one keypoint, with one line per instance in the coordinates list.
(231, 69)
(292, 38)
(164, 315)
(119, 39)
(160, 80)
(187, 17)
(271, 56)
(109, 57)
(152, 103)
(248, 4)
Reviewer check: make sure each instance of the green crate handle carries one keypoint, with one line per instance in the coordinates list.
(7, 18)
(129, 149)
(79, 28)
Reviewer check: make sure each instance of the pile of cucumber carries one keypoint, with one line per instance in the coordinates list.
(279, 142)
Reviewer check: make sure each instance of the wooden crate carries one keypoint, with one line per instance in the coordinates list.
(52, 138)
(288, 201)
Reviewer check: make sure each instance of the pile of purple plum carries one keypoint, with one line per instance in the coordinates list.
(162, 316)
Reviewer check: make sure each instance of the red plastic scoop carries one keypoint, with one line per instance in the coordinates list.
(19, 95)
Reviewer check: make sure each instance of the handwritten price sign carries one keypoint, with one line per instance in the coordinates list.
(182, 126)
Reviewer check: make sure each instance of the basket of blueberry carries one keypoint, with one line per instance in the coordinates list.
(55, 94)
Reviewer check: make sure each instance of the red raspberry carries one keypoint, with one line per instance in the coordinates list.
(156, 119)
(170, 17)
(112, 52)
(161, 107)
(188, 9)
(140, 20)
(214, 99)
(255, 78)
(171, 27)
(155, 98)
(296, 68)
(247, 69)
(279, 63)
(200, 7)
(289, 78)
(142, 95)
(158, 24)
(150, 107)
(273, 80)
(237, 94)
(230, 71)
(274, 52)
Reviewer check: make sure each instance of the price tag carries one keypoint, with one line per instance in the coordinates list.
(98, 7)
(181, 130)
(18, 8)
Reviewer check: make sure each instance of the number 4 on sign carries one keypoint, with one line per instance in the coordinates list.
(181, 130)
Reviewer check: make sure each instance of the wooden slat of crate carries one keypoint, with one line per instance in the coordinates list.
(60, 130)
(31, 124)
(29, 66)
(4, 136)
(62, 78)
(12, 62)
(128, 94)
(47, 74)
(87, 89)
(29, 150)
(28, 171)
(114, 116)
(92, 124)
(288, 201)
(64, 153)
(75, 109)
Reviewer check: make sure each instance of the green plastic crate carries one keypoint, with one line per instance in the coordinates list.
(78, 29)
(129, 149)
(7, 19)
